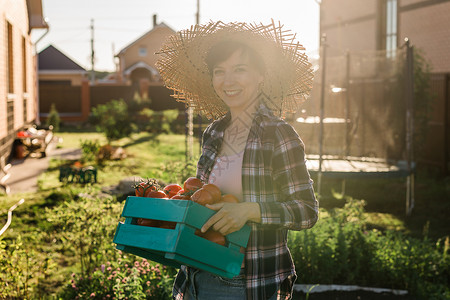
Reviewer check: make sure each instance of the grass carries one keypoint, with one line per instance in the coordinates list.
(163, 157)
(385, 203)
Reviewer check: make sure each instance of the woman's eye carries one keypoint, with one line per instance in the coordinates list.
(240, 70)
(218, 72)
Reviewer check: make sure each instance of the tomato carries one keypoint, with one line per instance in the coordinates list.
(192, 184)
(167, 224)
(228, 198)
(144, 187)
(202, 197)
(180, 197)
(213, 236)
(156, 194)
(172, 189)
(147, 222)
(214, 190)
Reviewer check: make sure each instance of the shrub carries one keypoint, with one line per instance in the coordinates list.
(161, 121)
(89, 149)
(84, 228)
(112, 119)
(339, 249)
(53, 118)
(127, 277)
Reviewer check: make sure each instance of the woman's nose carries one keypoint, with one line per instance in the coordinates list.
(229, 78)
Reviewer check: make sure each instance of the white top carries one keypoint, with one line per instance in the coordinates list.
(227, 174)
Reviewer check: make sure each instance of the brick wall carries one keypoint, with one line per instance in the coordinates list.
(428, 28)
(23, 99)
(349, 25)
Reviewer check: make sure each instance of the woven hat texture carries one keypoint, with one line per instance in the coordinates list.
(288, 74)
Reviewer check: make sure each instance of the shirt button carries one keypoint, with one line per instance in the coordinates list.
(218, 160)
(215, 167)
(213, 174)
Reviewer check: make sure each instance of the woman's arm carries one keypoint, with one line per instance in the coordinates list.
(298, 207)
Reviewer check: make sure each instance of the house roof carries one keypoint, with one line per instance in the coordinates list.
(138, 65)
(53, 59)
(35, 15)
(162, 24)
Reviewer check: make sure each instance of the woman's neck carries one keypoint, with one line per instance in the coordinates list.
(244, 116)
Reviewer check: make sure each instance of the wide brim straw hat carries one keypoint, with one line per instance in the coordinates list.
(288, 75)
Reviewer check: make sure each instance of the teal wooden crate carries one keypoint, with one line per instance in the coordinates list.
(179, 246)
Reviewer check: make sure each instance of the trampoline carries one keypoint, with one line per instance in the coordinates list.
(359, 122)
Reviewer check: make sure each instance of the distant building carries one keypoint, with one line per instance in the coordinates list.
(61, 81)
(383, 25)
(18, 74)
(137, 67)
(137, 61)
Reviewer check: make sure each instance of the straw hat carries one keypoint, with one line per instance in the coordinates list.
(288, 74)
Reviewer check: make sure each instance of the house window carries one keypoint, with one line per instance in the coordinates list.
(10, 64)
(391, 28)
(24, 65)
(142, 51)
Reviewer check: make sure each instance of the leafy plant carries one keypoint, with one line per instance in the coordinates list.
(53, 118)
(340, 249)
(89, 149)
(113, 119)
(84, 227)
(127, 277)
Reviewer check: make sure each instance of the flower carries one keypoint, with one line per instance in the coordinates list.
(103, 268)
(92, 295)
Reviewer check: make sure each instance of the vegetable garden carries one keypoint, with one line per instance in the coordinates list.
(59, 244)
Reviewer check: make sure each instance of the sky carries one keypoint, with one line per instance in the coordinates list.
(118, 23)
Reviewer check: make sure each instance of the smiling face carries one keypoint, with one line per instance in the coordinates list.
(236, 81)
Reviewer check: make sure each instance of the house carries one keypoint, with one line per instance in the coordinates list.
(64, 83)
(18, 73)
(137, 66)
(353, 26)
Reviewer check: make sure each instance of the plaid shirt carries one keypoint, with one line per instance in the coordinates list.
(275, 176)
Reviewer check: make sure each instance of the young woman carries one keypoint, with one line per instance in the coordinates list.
(231, 72)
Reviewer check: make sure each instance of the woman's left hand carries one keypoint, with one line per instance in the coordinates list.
(231, 217)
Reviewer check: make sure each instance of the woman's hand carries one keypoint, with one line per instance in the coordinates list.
(231, 217)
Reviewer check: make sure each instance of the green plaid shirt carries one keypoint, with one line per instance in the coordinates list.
(274, 175)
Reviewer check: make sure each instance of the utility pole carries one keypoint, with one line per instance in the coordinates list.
(197, 15)
(92, 53)
(190, 112)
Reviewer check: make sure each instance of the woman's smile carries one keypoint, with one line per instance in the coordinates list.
(236, 82)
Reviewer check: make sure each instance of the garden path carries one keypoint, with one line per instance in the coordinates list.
(25, 172)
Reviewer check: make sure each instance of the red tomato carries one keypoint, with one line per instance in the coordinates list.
(143, 188)
(147, 222)
(192, 184)
(229, 198)
(167, 224)
(213, 236)
(202, 197)
(214, 190)
(172, 189)
(156, 194)
(180, 197)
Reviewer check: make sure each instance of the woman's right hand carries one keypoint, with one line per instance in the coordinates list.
(231, 217)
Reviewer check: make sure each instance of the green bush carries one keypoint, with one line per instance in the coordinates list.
(339, 249)
(89, 150)
(160, 121)
(53, 118)
(84, 228)
(127, 277)
(113, 119)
